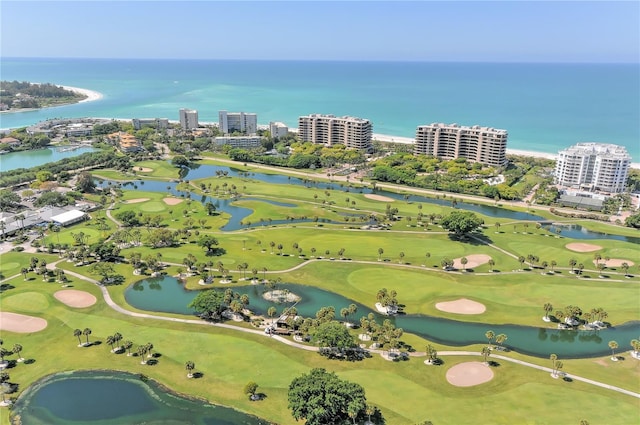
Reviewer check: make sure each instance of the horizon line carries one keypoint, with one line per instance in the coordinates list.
(541, 62)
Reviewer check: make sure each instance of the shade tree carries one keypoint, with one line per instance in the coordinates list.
(321, 398)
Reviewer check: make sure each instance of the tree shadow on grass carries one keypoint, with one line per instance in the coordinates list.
(198, 375)
(5, 287)
(29, 361)
(152, 362)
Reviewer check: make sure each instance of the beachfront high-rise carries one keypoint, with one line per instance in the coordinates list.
(485, 145)
(278, 129)
(329, 130)
(240, 122)
(593, 166)
(188, 119)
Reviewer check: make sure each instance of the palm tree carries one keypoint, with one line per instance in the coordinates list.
(86, 332)
(149, 347)
(554, 359)
(190, 366)
(380, 252)
(580, 268)
(490, 335)
(492, 263)
(142, 350)
(24, 272)
(613, 345)
(464, 262)
(77, 334)
(432, 354)
(17, 348)
(486, 352)
(572, 264)
(625, 268)
(111, 341)
(548, 308)
(271, 313)
(117, 337)
(500, 339)
(369, 410)
(635, 344)
(401, 255)
(127, 346)
(521, 260)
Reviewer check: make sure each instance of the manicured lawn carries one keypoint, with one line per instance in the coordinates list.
(407, 392)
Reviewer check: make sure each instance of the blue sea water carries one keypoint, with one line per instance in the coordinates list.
(544, 107)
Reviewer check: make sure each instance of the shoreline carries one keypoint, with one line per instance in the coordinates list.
(92, 96)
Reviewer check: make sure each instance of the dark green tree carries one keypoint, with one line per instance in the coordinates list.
(461, 222)
(322, 398)
(209, 304)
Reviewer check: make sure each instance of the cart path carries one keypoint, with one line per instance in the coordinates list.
(116, 307)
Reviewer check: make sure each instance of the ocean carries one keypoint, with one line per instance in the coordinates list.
(544, 107)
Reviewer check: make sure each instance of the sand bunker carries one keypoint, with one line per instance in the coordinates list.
(615, 262)
(461, 306)
(582, 247)
(379, 198)
(172, 201)
(13, 322)
(137, 200)
(469, 374)
(473, 260)
(143, 169)
(75, 298)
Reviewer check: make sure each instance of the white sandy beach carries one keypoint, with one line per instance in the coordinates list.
(91, 94)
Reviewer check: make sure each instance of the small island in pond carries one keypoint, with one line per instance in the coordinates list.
(16, 95)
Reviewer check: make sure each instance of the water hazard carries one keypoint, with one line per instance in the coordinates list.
(168, 295)
(116, 398)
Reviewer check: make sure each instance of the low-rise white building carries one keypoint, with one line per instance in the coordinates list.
(239, 141)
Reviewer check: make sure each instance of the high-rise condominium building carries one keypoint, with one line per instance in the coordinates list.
(330, 130)
(188, 119)
(241, 122)
(595, 166)
(278, 129)
(450, 141)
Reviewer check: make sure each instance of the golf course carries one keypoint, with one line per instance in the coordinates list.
(523, 273)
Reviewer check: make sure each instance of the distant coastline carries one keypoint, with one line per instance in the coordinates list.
(92, 95)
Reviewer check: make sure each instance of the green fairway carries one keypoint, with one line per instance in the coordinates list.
(345, 258)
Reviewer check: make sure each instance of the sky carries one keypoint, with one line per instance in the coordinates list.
(456, 31)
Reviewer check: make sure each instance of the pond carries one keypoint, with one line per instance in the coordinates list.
(115, 398)
(239, 214)
(34, 158)
(168, 295)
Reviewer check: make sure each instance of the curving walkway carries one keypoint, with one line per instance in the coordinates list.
(116, 307)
